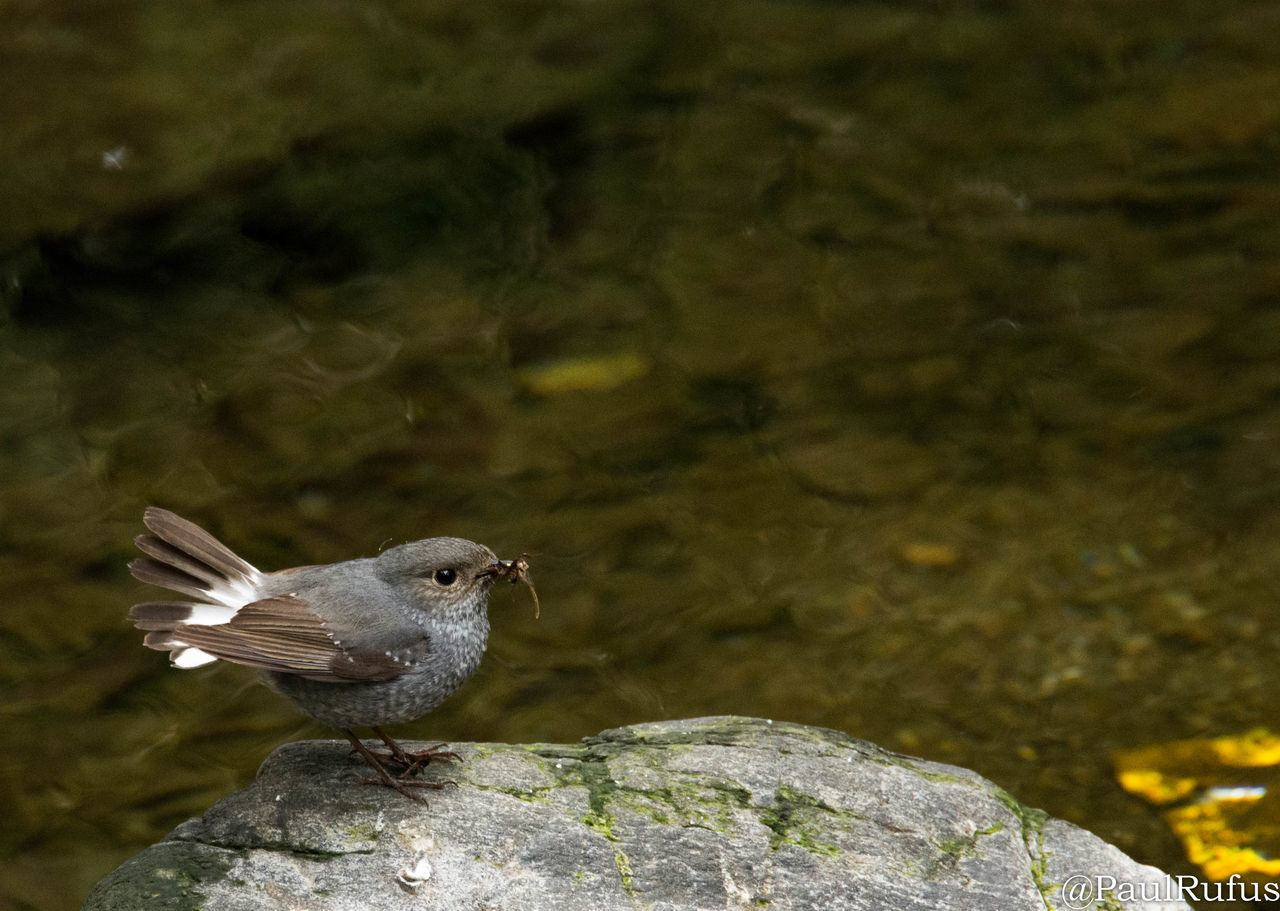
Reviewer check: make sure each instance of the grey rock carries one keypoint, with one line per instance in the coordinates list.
(708, 813)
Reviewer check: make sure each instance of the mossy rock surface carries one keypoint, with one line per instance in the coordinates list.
(706, 813)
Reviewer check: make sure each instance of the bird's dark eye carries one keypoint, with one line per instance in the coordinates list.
(445, 576)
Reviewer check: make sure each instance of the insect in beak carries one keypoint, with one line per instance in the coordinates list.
(514, 571)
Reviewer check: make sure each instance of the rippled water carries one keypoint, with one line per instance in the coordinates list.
(907, 369)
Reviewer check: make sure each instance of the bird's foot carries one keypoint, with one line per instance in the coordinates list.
(412, 763)
(404, 785)
(417, 759)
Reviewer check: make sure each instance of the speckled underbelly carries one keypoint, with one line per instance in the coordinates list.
(346, 705)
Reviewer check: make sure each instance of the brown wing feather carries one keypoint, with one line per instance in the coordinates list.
(283, 634)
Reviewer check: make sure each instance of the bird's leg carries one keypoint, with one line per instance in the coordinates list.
(384, 777)
(412, 761)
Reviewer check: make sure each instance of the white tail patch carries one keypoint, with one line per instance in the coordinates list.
(210, 615)
(235, 595)
(186, 656)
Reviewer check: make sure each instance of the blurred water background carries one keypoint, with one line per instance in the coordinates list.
(907, 368)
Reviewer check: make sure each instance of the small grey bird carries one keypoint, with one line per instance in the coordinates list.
(361, 643)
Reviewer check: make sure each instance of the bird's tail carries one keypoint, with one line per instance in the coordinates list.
(183, 557)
